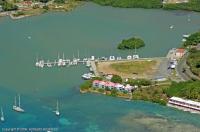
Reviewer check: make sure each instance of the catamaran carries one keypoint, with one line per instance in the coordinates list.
(17, 108)
(2, 116)
(57, 109)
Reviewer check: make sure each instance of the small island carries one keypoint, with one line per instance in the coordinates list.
(132, 43)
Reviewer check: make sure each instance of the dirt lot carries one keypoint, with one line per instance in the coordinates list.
(130, 69)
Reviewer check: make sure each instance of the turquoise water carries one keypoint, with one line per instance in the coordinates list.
(93, 30)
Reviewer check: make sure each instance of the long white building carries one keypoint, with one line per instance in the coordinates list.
(183, 104)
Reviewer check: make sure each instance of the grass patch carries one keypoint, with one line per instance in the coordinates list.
(134, 67)
(33, 12)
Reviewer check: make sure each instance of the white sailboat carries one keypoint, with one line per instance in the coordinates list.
(17, 108)
(57, 109)
(136, 56)
(60, 61)
(37, 64)
(63, 61)
(2, 115)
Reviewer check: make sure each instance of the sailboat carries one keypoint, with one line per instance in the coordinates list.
(57, 110)
(135, 56)
(60, 61)
(37, 64)
(63, 62)
(17, 108)
(2, 116)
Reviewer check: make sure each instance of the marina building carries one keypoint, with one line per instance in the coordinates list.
(183, 104)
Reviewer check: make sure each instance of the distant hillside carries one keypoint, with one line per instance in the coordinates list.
(130, 3)
(192, 5)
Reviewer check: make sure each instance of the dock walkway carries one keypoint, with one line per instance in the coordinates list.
(94, 68)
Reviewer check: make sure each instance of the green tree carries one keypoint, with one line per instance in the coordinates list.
(114, 92)
(59, 1)
(192, 40)
(86, 85)
(116, 79)
(131, 43)
(8, 6)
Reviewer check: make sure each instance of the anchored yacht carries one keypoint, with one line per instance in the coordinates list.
(57, 109)
(2, 116)
(17, 108)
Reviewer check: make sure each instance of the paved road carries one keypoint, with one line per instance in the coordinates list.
(186, 74)
(163, 69)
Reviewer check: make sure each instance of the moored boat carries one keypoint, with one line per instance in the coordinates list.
(57, 109)
(2, 115)
(17, 108)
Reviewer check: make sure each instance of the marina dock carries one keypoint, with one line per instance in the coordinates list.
(94, 68)
(90, 62)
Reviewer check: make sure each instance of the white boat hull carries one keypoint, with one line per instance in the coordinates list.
(18, 109)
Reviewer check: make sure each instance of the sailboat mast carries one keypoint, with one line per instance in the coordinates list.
(57, 109)
(15, 102)
(78, 54)
(36, 57)
(58, 56)
(63, 56)
(135, 49)
(19, 100)
(2, 112)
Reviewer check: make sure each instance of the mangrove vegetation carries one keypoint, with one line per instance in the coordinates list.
(192, 5)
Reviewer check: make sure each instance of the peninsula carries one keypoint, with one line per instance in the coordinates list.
(136, 79)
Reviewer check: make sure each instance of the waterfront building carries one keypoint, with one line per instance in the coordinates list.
(179, 53)
(183, 104)
(111, 85)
